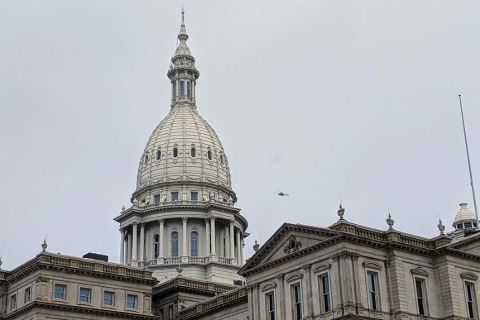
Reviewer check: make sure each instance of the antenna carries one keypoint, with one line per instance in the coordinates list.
(468, 159)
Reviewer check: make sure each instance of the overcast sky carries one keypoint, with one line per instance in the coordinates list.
(329, 101)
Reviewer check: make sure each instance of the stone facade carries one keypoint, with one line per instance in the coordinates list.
(54, 286)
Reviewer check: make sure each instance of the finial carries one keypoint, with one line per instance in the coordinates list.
(256, 246)
(123, 208)
(341, 212)
(183, 15)
(0, 262)
(44, 245)
(390, 221)
(441, 227)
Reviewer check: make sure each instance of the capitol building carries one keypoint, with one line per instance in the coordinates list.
(182, 249)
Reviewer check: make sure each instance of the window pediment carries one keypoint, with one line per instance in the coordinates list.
(322, 268)
(372, 265)
(419, 271)
(469, 276)
(268, 286)
(294, 277)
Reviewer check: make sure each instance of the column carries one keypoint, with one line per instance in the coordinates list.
(184, 237)
(232, 240)
(212, 236)
(308, 285)
(129, 247)
(122, 246)
(239, 247)
(281, 296)
(142, 242)
(134, 243)
(160, 238)
(207, 237)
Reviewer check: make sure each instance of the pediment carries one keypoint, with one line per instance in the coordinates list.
(289, 239)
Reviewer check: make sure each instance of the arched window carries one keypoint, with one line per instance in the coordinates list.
(189, 89)
(209, 154)
(156, 246)
(193, 152)
(221, 158)
(159, 154)
(182, 88)
(175, 152)
(146, 158)
(194, 244)
(173, 90)
(174, 240)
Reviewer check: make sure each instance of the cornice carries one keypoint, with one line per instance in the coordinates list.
(75, 308)
(48, 261)
(181, 284)
(188, 205)
(213, 305)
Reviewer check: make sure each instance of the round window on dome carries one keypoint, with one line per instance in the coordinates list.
(193, 152)
(209, 154)
(175, 152)
(159, 154)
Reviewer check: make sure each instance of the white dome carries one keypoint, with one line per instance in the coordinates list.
(183, 148)
(464, 215)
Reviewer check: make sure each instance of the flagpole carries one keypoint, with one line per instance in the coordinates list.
(468, 160)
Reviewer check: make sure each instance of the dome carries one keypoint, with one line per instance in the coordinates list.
(464, 215)
(183, 148)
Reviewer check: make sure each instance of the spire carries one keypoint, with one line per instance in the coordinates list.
(182, 73)
(182, 35)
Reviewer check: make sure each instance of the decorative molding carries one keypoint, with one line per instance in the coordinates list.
(469, 276)
(345, 254)
(322, 268)
(294, 277)
(292, 245)
(280, 277)
(372, 265)
(419, 271)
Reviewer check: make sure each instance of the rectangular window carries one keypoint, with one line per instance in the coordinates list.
(324, 284)
(85, 295)
(372, 279)
(60, 291)
(170, 312)
(108, 298)
(471, 299)
(297, 301)
(156, 199)
(132, 301)
(28, 295)
(270, 304)
(194, 196)
(13, 302)
(174, 196)
(421, 296)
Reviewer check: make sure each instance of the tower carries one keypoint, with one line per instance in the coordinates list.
(183, 211)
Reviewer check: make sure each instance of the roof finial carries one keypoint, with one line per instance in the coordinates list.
(441, 227)
(390, 221)
(44, 245)
(183, 15)
(256, 246)
(341, 212)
